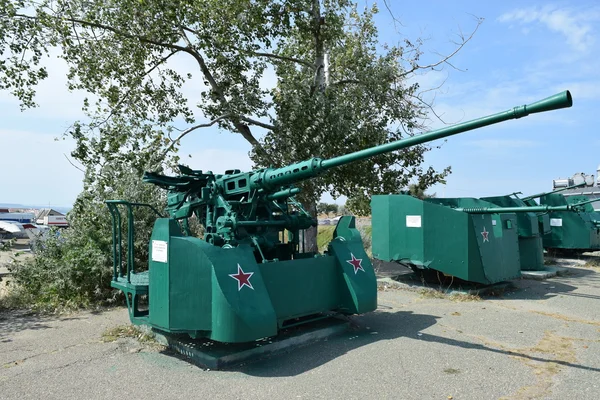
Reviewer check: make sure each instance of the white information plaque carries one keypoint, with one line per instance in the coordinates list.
(413, 221)
(159, 251)
(555, 221)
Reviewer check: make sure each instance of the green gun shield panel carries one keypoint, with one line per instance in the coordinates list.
(426, 235)
(303, 287)
(531, 251)
(475, 248)
(498, 244)
(527, 222)
(570, 230)
(205, 290)
(359, 290)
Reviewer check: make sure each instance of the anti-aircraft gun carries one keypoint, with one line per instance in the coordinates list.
(466, 238)
(572, 233)
(248, 276)
(530, 200)
(532, 225)
(566, 232)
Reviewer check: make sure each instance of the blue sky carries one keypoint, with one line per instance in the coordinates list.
(523, 51)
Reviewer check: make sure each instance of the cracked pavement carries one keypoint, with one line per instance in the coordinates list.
(539, 341)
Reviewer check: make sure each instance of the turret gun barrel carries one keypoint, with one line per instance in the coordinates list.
(535, 209)
(271, 178)
(535, 196)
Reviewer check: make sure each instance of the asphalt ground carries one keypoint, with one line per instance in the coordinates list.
(540, 340)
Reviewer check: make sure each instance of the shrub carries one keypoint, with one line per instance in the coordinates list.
(72, 267)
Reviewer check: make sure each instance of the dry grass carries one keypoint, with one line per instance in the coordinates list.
(558, 351)
(595, 263)
(438, 294)
(128, 331)
(452, 371)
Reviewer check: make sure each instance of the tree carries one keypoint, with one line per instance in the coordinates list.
(74, 268)
(419, 192)
(337, 90)
(326, 208)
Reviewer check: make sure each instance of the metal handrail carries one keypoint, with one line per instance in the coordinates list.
(118, 237)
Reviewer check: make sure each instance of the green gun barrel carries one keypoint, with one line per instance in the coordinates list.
(535, 196)
(271, 178)
(535, 209)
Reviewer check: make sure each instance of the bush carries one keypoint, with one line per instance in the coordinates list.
(67, 271)
(72, 268)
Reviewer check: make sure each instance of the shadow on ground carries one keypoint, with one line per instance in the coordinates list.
(12, 321)
(371, 328)
(527, 289)
(366, 329)
(524, 289)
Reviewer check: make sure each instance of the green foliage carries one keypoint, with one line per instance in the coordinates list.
(326, 208)
(419, 192)
(337, 90)
(324, 236)
(344, 210)
(73, 267)
(68, 270)
(366, 236)
(7, 244)
(358, 97)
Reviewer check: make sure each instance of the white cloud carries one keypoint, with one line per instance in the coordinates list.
(576, 27)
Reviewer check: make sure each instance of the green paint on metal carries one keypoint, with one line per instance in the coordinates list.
(572, 231)
(249, 276)
(530, 229)
(535, 196)
(431, 235)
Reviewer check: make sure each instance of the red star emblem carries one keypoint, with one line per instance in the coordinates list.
(243, 278)
(356, 263)
(485, 235)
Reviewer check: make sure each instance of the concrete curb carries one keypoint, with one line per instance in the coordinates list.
(215, 355)
(548, 272)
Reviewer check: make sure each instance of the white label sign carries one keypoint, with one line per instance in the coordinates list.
(159, 251)
(494, 222)
(413, 221)
(555, 221)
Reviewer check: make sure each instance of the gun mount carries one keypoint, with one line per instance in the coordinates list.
(248, 276)
(532, 209)
(535, 196)
(572, 233)
(254, 207)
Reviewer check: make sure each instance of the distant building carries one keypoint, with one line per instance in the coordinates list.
(591, 188)
(51, 217)
(22, 217)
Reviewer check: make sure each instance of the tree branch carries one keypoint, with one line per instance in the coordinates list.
(282, 58)
(70, 162)
(193, 128)
(258, 123)
(396, 20)
(119, 32)
(189, 49)
(156, 65)
(445, 59)
(242, 128)
(345, 81)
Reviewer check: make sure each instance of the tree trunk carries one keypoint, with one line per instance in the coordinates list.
(310, 234)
